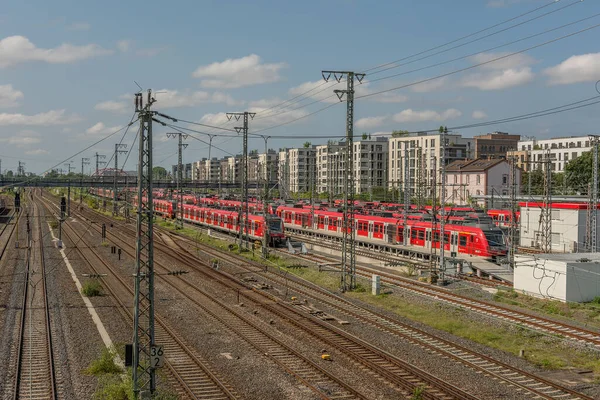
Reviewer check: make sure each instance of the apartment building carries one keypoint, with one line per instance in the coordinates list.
(297, 169)
(530, 154)
(186, 171)
(495, 144)
(421, 155)
(330, 163)
(208, 170)
(269, 165)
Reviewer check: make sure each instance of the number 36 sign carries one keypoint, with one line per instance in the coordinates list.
(157, 356)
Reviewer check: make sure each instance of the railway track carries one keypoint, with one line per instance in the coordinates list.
(190, 374)
(35, 376)
(371, 359)
(535, 386)
(8, 235)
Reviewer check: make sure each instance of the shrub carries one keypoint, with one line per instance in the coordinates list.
(105, 364)
(91, 288)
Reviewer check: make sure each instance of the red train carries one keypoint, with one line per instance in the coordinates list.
(225, 220)
(484, 240)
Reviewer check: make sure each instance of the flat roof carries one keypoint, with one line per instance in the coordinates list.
(563, 206)
(565, 257)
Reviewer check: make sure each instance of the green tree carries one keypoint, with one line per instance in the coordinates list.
(365, 135)
(307, 145)
(578, 172)
(399, 133)
(159, 172)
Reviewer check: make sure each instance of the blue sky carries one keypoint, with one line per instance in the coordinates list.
(67, 70)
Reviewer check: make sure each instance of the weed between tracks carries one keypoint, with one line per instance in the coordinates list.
(540, 349)
(91, 288)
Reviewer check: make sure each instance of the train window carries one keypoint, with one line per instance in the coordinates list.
(463, 240)
(420, 235)
(428, 236)
(447, 237)
(413, 234)
(436, 237)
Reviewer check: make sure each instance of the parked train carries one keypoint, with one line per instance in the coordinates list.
(484, 240)
(226, 220)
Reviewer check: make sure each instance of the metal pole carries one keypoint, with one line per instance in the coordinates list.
(115, 177)
(442, 267)
(143, 374)
(265, 200)
(594, 220)
(348, 276)
(547, 206)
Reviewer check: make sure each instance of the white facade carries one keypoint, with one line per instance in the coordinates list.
(561, 150)
(370, 164)
(564, 277)
(269, 165)
(298, 170)
(569, 225)
(423, 153)
(330, 159)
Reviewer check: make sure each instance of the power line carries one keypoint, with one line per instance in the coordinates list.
(478, 39)
(461, 38)
(483, 51)
(480, 64)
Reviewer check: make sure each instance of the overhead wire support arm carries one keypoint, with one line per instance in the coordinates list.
(180, 147)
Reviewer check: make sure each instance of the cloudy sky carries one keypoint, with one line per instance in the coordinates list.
(67, 70)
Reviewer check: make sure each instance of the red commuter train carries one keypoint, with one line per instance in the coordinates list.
(484, 240)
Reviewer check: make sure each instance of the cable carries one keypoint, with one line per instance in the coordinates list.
(200, 140)
(205, 125)
(483, 51)
(463, 37)
(297, 119)
(479, 64)
(478, 39)
(121, 141)
(74, 155)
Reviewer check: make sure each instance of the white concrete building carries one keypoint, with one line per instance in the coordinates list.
(297, 169)
(466, 178)
(370, 164)
(531, 152)
(269, 165)
(423, 152)
(330, 158)
(564, 277)
(569, 226)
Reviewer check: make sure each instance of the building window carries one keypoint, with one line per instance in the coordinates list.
(505, 179)
(478, 180)
(468, 176)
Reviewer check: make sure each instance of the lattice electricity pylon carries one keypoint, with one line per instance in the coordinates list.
(143, 372)
(421, 177)
(348, 276)
(588, 225)
(442, 265)
(593, 220)
(180, 147)
(115, 191)
(547, 205)
(406, 199)
(244, 130)
(512, 230)
(84, 161)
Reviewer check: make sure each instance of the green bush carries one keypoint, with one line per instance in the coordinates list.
(105, 364)
(92, 288)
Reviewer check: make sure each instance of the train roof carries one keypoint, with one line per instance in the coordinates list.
(562, 206)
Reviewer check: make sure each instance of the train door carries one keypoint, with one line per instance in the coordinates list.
(390, 235)
(320, 222)
(463, 243)
(454, 242)
(428, 240)
(378, 230)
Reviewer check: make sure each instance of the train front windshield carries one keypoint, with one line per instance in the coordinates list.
(494, 238)
(275, 225)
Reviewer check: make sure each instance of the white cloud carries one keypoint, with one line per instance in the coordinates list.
(496, 80)
(124, 45)
(101, 129)
(119, 107)
(410, 115)
(54, 117)
(9, 97)
(575, 69)
(517, 60)
(267, 103)
(477, 114)
(370, 122)
(429, 86)
(21, 140)
(323, 91)
(80, 26)
(264, 118)
(505, 3)
(173, 98)
(18, 49)
(37, 152)
(238, 72)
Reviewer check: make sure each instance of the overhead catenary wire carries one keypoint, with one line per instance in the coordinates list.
(553, 2)
(395, 65)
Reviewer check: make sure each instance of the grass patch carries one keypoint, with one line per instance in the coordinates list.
(586, 313)
(91, 288)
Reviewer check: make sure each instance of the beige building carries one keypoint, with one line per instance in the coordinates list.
(495, 144)
(421, 155)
